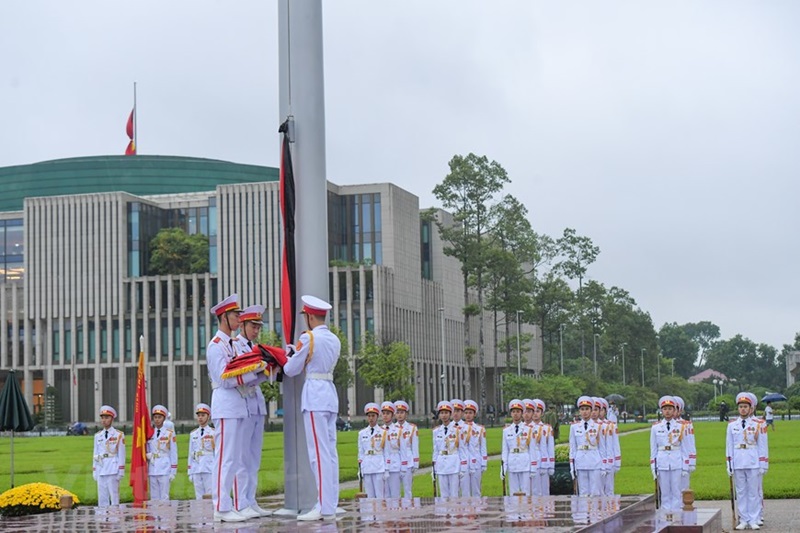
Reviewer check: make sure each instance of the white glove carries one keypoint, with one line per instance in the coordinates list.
(461, 475)
(358, 474)
(171, 478)
(433, 475)
(502, 473)
(551, 472)
(532, 475)
(149, 456)
(291, 349)
(385, 476)
(762, 471)
(684, 473)
(414, 469)
(483, 468)
(603, 473)
(191, 478)
(728, 468)
(692, 468)
(119, 477)
(655, 476)
(572, 474)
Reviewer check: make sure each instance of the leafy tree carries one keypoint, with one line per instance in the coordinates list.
(552, 304)
(343, 375)
(173, 251)
(704, 334)
(577, 252)
(676, 344)
(467, 192)
(388, 367)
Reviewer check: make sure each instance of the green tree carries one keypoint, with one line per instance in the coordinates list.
(271, 391)
(388, 367)
(704, 334)
(173, 251)
(467, 192)
(677, 344)
(577, 253)
(343, 375)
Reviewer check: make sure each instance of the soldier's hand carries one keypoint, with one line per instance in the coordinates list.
(291, 349)
(385, 476)
(551, 472)
(572, 474)
(433, 475)
(762, 471)
(728, 468)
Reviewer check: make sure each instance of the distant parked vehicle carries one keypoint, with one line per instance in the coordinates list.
(343, 425)
(78, 428)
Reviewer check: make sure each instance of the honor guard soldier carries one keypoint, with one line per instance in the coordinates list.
(201, 453)
(458, 423)
(371, 459)
(474, 444)
(458, 412)
(747, 453)
(527, 413)
(446, 453)
(688, 442)
(517, 455)
(668, 455)
(536, 461)
(251, 436)
(316, 354)
(613, 452)
(108, 464)
(543, 435)
(162, 454)
(587, 450)
(409, 447)
(392, 451)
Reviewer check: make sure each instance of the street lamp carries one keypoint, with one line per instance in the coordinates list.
(519, 355)
(643, 350)
(658, 358)
(595, 353)
(717, 382)
(624, 344)
(444, 371)
(561, 343)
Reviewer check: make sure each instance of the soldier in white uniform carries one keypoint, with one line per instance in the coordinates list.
(371, 459)
(316, 354)
(201, 453)
(474, 444)
(614, 455)
(517, 454)
(458, 423)
(230, 409)
(108, 462)
(688, 441)
(251, 437)
(446, 452)
(747, 453)
(391, 487)
(162, 456)
(586, 451)
(409, 447)
(668, 455)
(543, 435)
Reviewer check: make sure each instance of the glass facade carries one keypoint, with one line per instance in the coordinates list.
(425, 243)
(354, 228)
(11, 249)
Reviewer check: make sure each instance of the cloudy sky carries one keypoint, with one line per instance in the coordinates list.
(666, 132)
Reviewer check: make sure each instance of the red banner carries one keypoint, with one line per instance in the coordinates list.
(288, 265)
(142, 431)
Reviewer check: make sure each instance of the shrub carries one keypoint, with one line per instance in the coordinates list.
(33, 498)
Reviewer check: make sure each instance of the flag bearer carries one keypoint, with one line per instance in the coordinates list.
(108, 466)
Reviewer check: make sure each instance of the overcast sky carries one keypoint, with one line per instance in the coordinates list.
(666, 132)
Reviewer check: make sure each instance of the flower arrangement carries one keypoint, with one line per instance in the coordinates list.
(562, 453)
(33, 498)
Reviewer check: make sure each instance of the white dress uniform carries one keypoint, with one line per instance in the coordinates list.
(747, 451)
(613, 455)
(517, 454)
(108, 461)
(409, 450)
(668, 458)
(201, 460)
(691, 447)
(547, 453)
(162, 456)
(371, 458)
(586, 453)
(316, 355)
(251, 436)
(447, 458)
(474, 444)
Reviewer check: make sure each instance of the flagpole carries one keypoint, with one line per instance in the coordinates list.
(135, 122)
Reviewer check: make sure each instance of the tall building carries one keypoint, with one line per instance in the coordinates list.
(78, 289)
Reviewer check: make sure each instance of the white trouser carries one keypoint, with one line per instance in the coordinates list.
(227, 455)
(159, 488)
(373, 485)
(202, 485)
(471, 483)
(247, 473)
(685, 481)
(406, 480)
(608, 483)
(392, 487)
(519, 482)
(669, 484)
(589, 483)
(747, 498)
(324, 459)
(448, 485)
(107, 490)
(760, 497)
(540, 483)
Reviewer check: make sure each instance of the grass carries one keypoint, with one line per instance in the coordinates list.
(66, 462)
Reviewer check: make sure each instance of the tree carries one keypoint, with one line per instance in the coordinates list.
(173, 251)
(343, 375)
(578, 253)
(704, 334)
(676, 344)
(467, 191)
(388, 367)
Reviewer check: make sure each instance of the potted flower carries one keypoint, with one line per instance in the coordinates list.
(35, 498)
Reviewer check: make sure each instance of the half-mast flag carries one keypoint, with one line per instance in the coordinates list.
(288, 265)
(142, 431)
(131, 149)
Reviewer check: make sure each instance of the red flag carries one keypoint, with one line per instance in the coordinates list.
(131, 149)
(142, 431)
(288, 266)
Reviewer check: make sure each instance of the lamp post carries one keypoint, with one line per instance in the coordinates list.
(519, 355)
(444, 368)
(658, 358)
(715, 382)
(561, 343)
(643, 350)
(595, 353)
(624, 381)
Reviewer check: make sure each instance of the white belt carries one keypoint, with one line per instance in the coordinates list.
(744, 446)
(669, 448)
(519, 450)
(373, 452)
(586, 447)
(317, 375)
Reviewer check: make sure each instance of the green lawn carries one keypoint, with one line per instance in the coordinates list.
(66, 461)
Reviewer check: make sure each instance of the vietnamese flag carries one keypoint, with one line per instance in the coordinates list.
(288, 266)
(142, 431)
(131, 149)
